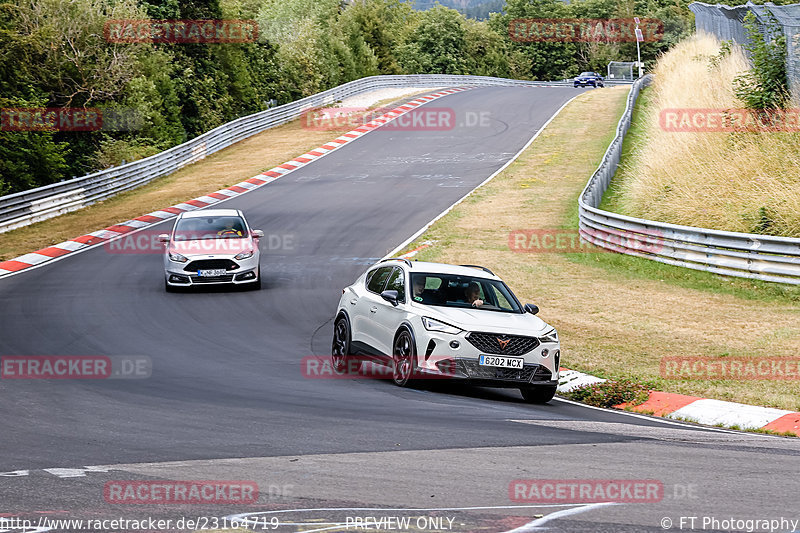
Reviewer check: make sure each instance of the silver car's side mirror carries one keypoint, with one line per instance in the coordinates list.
(164, 237)
(257, 233)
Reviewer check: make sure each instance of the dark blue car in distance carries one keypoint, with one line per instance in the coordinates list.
(584, 79)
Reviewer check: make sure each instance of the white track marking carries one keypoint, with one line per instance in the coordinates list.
(15, 473)
(706, 411)
(74, 472)
(536, 524)
(658, 419)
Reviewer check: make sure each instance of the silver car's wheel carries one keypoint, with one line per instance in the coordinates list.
(340, 347)
(403, 359)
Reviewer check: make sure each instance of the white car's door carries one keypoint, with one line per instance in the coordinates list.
(364, 327)
(387, 317)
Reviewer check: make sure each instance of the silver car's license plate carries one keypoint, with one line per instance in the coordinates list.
(212, 273)
(501, 361)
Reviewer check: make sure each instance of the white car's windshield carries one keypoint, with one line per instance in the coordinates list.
(220, 227)
(450, 290)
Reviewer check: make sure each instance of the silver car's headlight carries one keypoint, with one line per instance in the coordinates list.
(244, 255)
(550, 336)
(178, 258)
(435, 325)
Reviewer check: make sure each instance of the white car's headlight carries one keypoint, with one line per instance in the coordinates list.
(435, 325)
(244, 255)
(178, 258)
(550, 336)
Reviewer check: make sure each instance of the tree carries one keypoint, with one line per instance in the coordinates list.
(437, 45)
(543, 60)
(382, 25)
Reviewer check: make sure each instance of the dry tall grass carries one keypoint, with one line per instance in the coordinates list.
(748, 182)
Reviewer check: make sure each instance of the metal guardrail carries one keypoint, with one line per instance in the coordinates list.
(746, 255)
(27, 207)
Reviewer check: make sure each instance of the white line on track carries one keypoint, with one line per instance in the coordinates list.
(539, 522)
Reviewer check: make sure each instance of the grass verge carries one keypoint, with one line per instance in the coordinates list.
(617, 316)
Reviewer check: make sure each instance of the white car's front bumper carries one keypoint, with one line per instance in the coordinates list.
(458, 357)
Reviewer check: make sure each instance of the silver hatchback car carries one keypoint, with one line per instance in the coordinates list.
(211, 247)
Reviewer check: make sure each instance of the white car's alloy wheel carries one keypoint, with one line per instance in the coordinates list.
(403, 358)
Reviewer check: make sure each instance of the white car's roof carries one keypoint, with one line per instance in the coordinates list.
(211, 213)
(444, 268)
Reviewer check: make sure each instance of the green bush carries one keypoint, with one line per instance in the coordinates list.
(611, 392)
(765, 85)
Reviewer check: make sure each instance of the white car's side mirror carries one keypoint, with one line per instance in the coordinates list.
(164, 237)
(257, 233)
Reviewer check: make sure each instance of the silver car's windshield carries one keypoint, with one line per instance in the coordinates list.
(197, 228)
(450, 290)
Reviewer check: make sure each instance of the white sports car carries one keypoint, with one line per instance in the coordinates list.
(431, 320)
(211, 247)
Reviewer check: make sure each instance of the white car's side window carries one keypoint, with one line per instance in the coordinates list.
(397, 283)
(377, 281)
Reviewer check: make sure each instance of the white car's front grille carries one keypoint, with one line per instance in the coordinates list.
(499, 344)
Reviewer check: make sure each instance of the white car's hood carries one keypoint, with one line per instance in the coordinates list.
(489, 321)
(207, 248)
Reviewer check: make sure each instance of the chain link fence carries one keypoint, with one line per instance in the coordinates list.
(726, 23)
(621, 70)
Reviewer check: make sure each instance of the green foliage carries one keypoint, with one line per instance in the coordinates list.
(29, 159)
(611, 392)
(115, 152)
(765, 86)
(725, 49)
(437, 45)
(382, 25)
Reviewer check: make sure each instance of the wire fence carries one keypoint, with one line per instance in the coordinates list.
(726, 23)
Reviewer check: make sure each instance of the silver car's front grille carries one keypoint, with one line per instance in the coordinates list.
(212, 279)
(210, 264)
(500, 344)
